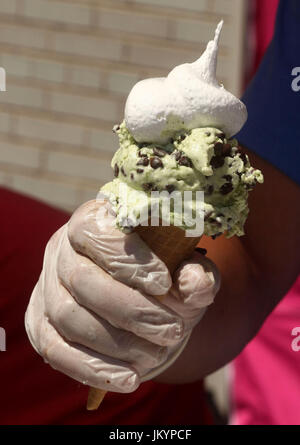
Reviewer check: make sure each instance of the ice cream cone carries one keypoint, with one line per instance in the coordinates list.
(171, 245)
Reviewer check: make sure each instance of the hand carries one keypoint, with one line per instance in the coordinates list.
(93, 314)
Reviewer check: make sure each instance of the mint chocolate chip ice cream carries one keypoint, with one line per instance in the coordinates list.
(176, 137)
(202, 159)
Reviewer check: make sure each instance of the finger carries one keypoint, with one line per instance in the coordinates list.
(123, 307)
(80, 363)
(78, 325)
(86, 366)
(125, 257)
(196, 283)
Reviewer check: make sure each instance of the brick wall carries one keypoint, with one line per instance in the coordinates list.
(70, 65)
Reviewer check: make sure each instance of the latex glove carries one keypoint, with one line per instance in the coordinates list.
(93, 314)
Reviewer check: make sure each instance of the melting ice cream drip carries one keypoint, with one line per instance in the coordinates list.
(189, 97)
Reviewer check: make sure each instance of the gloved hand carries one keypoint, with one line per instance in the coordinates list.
(93, 314)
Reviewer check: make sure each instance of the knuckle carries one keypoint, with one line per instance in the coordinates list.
(60, 314)
(77, 277)
(75, 226)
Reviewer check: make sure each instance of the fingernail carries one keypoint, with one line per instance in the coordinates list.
(177, 331)
(131, 382)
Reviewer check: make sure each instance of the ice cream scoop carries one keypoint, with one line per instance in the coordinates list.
(202, 159)
(189, 97)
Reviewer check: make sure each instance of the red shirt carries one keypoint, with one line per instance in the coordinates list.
(31, 392)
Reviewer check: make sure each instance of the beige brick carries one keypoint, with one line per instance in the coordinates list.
(134, 23)
(5, 179)
(23, 66)
(85, 76)
(85, 194)
(4, 122)
(16, 65)
(224, 69)
(160, 57)
(57, 11)
(224, 6)
(119, 82)
(195, 5)
(79, 166)
(51, 192)
(52, 131)
(48, 70)
(22, 36)
(98, 108)
(81, 45)
(22, 95)
(8, 6)
(198, 31)
(103, 140)
(19, 155)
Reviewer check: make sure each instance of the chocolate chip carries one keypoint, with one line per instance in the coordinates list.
(132, 176)
(185, 161)
(201, 251)
(116, 128)
(221, 136)
(156, 163)
(228, 178)
(217, 162)
(209, 190)
(207, 133)
(170, 188)
(148, 187)
(243, 157)
(226, 150)
(139, 170)
(141, 155)
(208, 215)
(177, 154)
(123, 171)
(182, 137)
(218, 149)
(226, 188)
(144, 161)
(158, 152)
(116, 170)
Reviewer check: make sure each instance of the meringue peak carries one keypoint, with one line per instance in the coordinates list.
(206, 65)
(189, 97)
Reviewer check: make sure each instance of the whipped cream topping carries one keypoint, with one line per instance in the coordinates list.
(189, 97)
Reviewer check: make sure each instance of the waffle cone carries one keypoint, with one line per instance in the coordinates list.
(171, 245)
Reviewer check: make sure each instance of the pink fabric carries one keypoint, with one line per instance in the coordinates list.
(266, 375)
(266, 378)
(265, 19)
